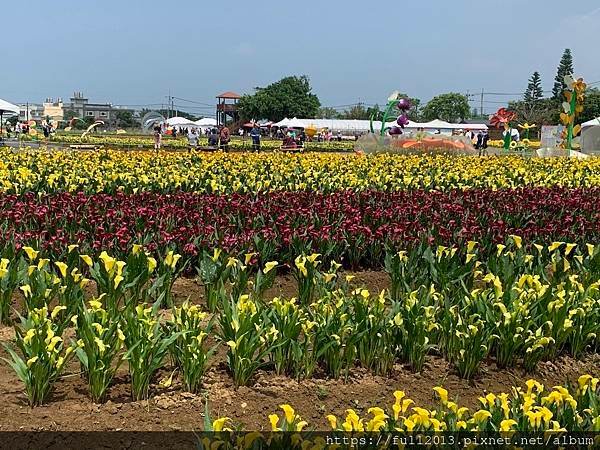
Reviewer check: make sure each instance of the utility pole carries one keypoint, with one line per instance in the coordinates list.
(481, 110)
(169, 105)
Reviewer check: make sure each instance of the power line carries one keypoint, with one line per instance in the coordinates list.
(193, 101)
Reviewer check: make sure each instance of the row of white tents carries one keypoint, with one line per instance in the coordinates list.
(186, 123)
(357, 126)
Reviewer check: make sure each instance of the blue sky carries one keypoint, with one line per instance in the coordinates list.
(136, 51)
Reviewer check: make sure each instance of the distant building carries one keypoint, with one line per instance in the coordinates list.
(54, 109)
(106, 112)
(31, 111)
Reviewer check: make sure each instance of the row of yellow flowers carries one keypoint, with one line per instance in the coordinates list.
(111, 171)
(533, 308)
(533, 409)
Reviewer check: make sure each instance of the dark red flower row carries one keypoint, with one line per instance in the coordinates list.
(348, 225)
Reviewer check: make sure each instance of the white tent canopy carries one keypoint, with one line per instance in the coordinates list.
(8, 108)
(180, 122)
(364, 125)
(206, 122)
(292, 123)
(591, 123)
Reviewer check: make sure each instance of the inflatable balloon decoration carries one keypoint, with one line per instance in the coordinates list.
(572, 107)
(503, 118)
(311, 131)
(394, 101)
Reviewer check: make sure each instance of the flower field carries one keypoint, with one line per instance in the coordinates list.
(354, 228)
(140, 277)
(118, 171)
(124, 141)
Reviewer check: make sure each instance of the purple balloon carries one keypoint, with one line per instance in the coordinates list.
(395, 131)
(404, 104)
(402, 120)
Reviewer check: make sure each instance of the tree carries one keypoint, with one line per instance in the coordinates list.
(328, 112)
(591, 106)
(356, 112)
(125, 119)
(541, 112)
(375, 112)
(534, 89)
(288, 97)
(77, 124)
(565, 68)
(451, 107)
(69, 114)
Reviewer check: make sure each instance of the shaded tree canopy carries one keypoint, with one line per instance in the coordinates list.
(451, 107)
(288, 97)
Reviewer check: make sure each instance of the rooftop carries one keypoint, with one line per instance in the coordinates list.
(230, 95)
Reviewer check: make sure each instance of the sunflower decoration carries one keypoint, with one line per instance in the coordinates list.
(526, 127)
(572, 107)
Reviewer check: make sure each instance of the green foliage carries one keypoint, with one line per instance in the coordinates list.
(544, 111)
(327, 112)
(565, 67)
(288, 97)
(243, 327)
(591, 105)
(9, 281)
(534, 89)
(356, 112)
(190, 350)
(125, 119)
(451, 107)
(99, 339)
(43, 353)
(147, 345)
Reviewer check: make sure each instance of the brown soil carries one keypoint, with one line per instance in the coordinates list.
(70, 409)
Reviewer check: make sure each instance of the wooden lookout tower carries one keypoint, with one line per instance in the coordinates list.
(227, 107)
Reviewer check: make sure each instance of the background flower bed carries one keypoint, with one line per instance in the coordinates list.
(210, 173)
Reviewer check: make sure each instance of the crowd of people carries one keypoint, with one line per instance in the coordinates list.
(23, 128)
(218, 138)
(479, 139)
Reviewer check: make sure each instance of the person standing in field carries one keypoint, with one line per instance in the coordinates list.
(255, 134)
(157, 136)
(213, 138)
(224, 137)
(192, 139)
